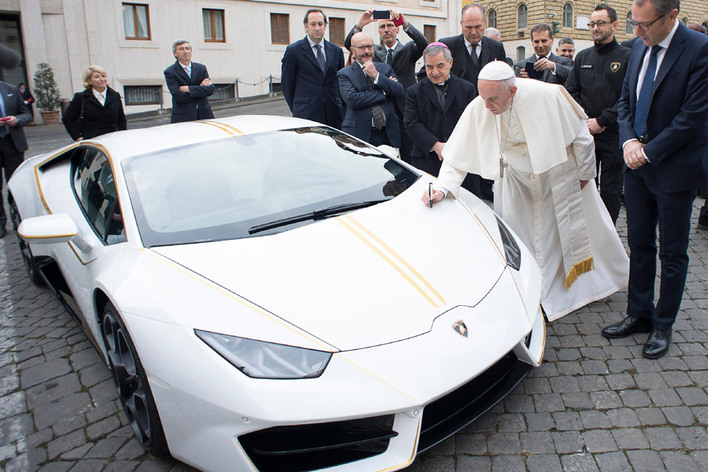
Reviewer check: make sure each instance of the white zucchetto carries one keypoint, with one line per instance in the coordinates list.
(496, 70)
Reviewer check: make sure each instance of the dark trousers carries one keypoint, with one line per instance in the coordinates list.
(647, 205)
(610, 171)
(406, 143)
(379, 137)
(10, 159)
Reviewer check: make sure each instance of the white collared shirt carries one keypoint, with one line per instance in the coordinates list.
(468, 45)
(314, 49)
(187, 69)
(100, 96)
(659, 57)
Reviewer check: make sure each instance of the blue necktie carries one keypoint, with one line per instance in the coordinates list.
(4, 129)
(642, 109)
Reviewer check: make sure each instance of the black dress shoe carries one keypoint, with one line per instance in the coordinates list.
(629, 325)
(658, 343)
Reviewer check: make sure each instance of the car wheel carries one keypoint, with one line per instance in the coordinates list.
(132, 383)
(34, 274)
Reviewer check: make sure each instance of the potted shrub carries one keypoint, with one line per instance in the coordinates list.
(46, 94)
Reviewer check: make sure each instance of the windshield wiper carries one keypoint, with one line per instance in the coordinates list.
(314, 215)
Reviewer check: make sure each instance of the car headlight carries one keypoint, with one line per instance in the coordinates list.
(262, 360)
(512, 252)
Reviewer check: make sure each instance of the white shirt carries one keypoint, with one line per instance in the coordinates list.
(659, 57)
(314, 49)
(187, 69)
(100, 96)
(468, 45)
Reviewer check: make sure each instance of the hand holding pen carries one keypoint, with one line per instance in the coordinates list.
(432, 196)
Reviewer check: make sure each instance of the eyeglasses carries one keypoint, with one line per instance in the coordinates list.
(387, 26)
(643, 26)
(598, 23)
(366, 46)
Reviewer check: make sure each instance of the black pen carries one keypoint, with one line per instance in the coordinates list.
(430, 192)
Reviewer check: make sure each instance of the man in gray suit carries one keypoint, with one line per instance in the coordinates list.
(543, 64)
(401, 57)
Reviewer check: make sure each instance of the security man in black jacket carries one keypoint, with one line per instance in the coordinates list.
(595, 82)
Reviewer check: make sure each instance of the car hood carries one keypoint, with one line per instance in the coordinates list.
(370, 277)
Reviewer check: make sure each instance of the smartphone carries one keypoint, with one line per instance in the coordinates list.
(533, 73)
(381, 15)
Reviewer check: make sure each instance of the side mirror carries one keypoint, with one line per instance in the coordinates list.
(52, 229)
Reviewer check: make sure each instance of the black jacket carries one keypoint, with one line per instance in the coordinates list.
(595, 82)
(98, 119)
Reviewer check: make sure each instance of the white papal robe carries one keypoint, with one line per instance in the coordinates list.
(548, 150)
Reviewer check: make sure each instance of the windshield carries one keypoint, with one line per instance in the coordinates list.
(222, 189)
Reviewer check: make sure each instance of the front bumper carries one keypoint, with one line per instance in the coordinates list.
(217, 419)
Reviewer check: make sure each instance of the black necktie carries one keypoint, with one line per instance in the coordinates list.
(642, 109)
(473, 54)
(389, 57)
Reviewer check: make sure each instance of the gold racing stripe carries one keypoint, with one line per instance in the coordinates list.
(388, 254)
(223, 127)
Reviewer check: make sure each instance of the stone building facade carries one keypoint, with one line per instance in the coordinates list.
(241, 41)
(515, 18)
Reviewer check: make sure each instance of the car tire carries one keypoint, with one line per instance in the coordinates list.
(27, 257)
(132, 383)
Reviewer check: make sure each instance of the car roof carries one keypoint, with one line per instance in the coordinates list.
(125, 144)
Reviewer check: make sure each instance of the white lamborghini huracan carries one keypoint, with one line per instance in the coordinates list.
(271, 294)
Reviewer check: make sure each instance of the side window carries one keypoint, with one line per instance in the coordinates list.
(96, 192)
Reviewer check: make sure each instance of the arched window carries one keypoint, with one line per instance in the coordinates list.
(520, 53)
(567, 15)
(522, 16)
(629, 29)
(492, 19)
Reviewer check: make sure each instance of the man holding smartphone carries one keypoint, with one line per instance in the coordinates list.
(401, 57)
(543, 64)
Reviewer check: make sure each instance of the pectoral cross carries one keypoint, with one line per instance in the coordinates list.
(502, 165)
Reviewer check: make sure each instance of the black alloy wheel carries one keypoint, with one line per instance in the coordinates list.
(27, 257)
(132, 383)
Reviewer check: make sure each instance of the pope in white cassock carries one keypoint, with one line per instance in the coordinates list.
(531, 138)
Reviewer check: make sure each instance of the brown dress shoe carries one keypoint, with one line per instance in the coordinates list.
(626, 327)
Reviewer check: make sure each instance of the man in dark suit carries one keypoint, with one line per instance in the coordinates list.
(189, 84)
(595, 82)
(546, 65)
(309, 74)
(663, 113)
(370, 90)
(471, 51)
(14, 114)
(402, 57)
(473, 23)
(433, 107)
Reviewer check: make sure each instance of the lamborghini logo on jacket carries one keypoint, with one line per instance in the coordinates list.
(615, 66)
(460, 328)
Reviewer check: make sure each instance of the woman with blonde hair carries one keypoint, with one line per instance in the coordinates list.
(95, 111)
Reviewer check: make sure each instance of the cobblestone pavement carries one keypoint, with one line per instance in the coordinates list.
(594, 404)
